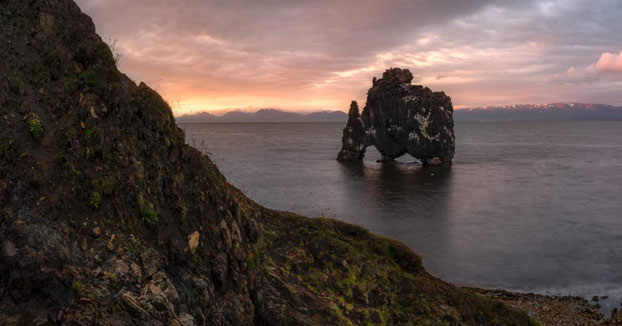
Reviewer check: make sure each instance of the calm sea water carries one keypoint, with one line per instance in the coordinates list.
(527, 206)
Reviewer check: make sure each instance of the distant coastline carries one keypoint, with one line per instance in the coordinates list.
(264, 116)
(552, 111)
(520, 112)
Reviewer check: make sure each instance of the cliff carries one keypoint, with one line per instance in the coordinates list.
(108, 218)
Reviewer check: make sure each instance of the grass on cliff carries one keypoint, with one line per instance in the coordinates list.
(363, 279)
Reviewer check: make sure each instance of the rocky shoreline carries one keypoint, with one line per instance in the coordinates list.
(551, 310)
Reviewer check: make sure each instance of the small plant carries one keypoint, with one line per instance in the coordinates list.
(95, 199)
(182, 210)
(34, 177)
(114, 49)
(7, 151)
(147, 212)
(149, 215)
(77, 287)
(89, 132)
(108, 185)
(74, 173)
(36, 129)
(131, 247)
(250, 262)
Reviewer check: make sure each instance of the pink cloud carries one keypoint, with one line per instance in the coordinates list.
(608, 67)
(609, 62)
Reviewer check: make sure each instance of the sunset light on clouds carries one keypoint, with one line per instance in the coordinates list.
(212, 55)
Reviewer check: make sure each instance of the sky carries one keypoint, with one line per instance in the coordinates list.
(311, 55)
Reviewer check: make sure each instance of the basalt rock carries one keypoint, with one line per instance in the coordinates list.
(355, 137)
(401, 118)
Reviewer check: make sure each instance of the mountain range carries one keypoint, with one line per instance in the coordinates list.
(551, 111)
(265, 115)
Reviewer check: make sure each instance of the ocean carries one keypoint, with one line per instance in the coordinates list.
(530, 206)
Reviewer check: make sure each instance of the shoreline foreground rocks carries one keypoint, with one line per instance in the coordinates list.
(401, 118)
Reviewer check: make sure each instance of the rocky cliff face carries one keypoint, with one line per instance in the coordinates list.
(401, 118)
(108, 218)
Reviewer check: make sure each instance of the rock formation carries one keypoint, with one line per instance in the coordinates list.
(401, 118)
(108, 218)
(355, 136)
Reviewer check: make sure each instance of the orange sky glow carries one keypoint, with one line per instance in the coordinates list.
(317, 55)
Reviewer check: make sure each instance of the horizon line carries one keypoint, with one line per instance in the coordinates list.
(222, 112)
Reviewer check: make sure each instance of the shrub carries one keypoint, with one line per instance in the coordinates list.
(36, 129)
(95, 199)
(114, 49)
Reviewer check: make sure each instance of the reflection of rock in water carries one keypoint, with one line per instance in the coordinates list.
(385, 183)
(401, 118)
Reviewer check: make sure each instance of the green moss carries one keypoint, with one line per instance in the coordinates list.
(95, 199)
(35, 127)
(369, 280)
(78, 288)
(149, 215)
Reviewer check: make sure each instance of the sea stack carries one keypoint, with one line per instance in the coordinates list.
(401, 118)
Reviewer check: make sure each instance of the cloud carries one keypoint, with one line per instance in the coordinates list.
(607, 68)
(320, 54)
(609, 62)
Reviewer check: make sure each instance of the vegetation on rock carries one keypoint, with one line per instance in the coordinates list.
(34, 125)
(95, 199)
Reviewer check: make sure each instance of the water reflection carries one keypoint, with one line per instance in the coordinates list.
(398, 183)
(404, 201)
